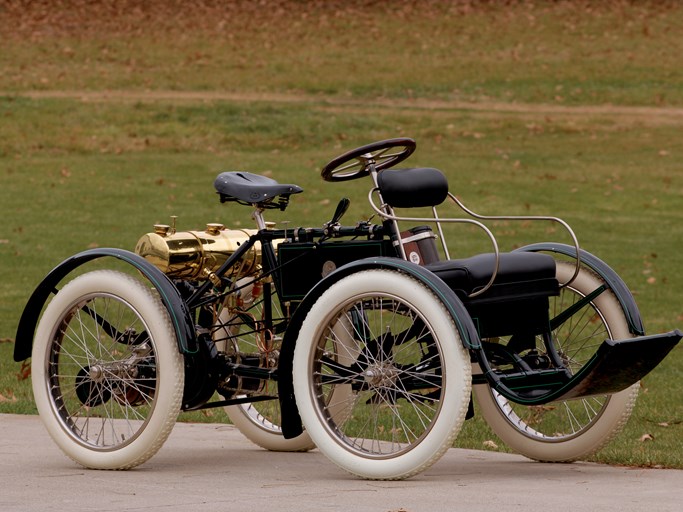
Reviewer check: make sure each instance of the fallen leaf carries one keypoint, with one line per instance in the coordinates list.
(647, 437)
(668, 423)
(490, 444)
(6, 340)
(8, 399)
(25, 371)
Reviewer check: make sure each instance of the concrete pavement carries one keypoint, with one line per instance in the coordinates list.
(212, 467)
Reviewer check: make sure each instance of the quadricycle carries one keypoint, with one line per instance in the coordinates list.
(368, 341)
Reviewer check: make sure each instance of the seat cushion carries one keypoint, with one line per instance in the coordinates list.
(521, 274)
(413, 188)
(516, 304)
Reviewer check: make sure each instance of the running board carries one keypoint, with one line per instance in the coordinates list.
(614, 367)
(619, 364)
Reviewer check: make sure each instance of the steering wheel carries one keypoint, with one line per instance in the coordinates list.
(356, 163)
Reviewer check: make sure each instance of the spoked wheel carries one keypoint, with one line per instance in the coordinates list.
(107, 374)
(356, 163)
(567, 430)
(244, 333)
(407, 374)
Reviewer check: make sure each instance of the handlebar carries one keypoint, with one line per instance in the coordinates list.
(301, 234)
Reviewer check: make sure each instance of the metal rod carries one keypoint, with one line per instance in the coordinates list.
(437, 221)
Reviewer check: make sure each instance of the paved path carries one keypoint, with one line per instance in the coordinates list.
(209, 467)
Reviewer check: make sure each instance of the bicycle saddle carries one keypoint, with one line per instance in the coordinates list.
(251, 188)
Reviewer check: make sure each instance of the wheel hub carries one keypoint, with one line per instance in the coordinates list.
(90, 386)
(96, 373)
(381, 375)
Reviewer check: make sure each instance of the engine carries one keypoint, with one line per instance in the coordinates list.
(196, 255)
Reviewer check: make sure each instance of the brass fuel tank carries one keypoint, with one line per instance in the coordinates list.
(198, 254)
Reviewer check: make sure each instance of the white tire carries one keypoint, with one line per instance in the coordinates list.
(107, 374)
(407, 376)
(259, 422)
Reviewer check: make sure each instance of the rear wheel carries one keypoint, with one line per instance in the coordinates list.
(107, 374)
(260, 423)
(251, 335)
(407, 375)
(571, 429)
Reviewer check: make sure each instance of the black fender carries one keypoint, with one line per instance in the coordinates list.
(169, 294)
(291, 422)
(611, 278)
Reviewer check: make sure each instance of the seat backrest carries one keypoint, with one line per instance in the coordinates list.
(412, 188)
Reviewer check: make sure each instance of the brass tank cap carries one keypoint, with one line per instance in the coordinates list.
(161, 229)
(214, 228)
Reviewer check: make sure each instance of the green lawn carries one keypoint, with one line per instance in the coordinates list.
(545, 109)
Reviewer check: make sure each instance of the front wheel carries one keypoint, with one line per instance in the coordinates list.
(107, 374)
(406, 374)
(567, 430)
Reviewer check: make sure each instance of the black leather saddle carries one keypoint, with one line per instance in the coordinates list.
(249, 188)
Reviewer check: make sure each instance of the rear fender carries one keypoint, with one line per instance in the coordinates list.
(611, 278)
(170, 297)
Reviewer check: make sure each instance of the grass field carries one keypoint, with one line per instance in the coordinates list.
(115, 116)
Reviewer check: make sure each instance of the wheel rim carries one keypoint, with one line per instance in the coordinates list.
(264, 415)
(101, 375)
(395, 371)
(577, 340)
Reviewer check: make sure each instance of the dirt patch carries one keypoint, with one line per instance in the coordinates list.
(651, 115)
